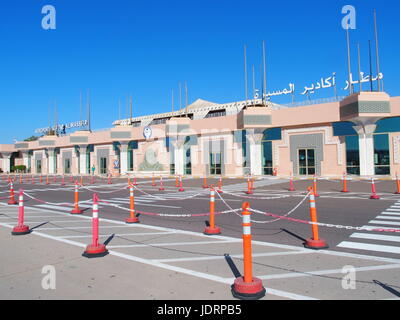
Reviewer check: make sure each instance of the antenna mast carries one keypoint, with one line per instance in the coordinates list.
(264, 73)
(378, 67)
(370, 65)
(186, 99)
(88, 110)
(172, 100)
(359, 67)
(245, 74)
(349, 59)
(130, 104)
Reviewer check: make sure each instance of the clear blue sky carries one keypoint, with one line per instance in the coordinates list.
(145, 48)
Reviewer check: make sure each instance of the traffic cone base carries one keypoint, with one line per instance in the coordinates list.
(248, 291)
(249, 192)
(20, 230)
(161, 189)
(219, 191)
(316, 244)
(95, 251)
(76, 211)
(181, 190)
(345, 191)
(205, 187)
(374, 197)
(397, 192)
(12, 202)
(132, 220)
(212, 231)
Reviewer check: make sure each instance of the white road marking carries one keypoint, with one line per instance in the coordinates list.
(326, 272)
(167, 244)
(386, 217)
(369, 247)
(240, 256)
(120, 234)
(26, 217)
(392, 223)
(125, 201)
(48, 206)
(100, 227)
(373, 236)
(391, 213)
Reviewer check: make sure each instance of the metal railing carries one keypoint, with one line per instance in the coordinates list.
(314, 102)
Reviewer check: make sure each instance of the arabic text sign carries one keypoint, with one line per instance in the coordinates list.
(77, 124)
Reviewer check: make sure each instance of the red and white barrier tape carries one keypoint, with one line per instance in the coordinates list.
(107, 192)
(255, 221)
(173, 199)
(256, 198)
(52, 203)
(185, 215)
(328, 225)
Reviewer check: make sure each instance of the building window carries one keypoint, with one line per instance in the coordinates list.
(131, 146)
(352, 155)
(215, 163)
(381, 154)
(158, 121)
(171, 150)
(88, 163)
(266, 157)
(267, 166)
(188, 161)
(244, 149)
(67, 166)
(217, 113)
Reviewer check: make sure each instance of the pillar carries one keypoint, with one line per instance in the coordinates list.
(6, 162)
(179, 157)
(123, 154)
(255, 137)
(26, 162)
(50, 160)
(366, 145)
(83, 159)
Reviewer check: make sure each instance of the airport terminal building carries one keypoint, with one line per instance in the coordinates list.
(359, 134)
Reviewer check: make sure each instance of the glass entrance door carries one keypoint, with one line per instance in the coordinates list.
(306, 161)
(215, 163)
(103, 165)
(67, 166)
(38, 166)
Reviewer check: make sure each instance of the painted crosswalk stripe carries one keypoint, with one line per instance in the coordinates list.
(392, 223)
(373, 236)
(391, 213)
(386, 218)
(379, 227)
(390, 209)
(369, 247)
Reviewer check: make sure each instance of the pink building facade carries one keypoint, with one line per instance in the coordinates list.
(359, 135)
